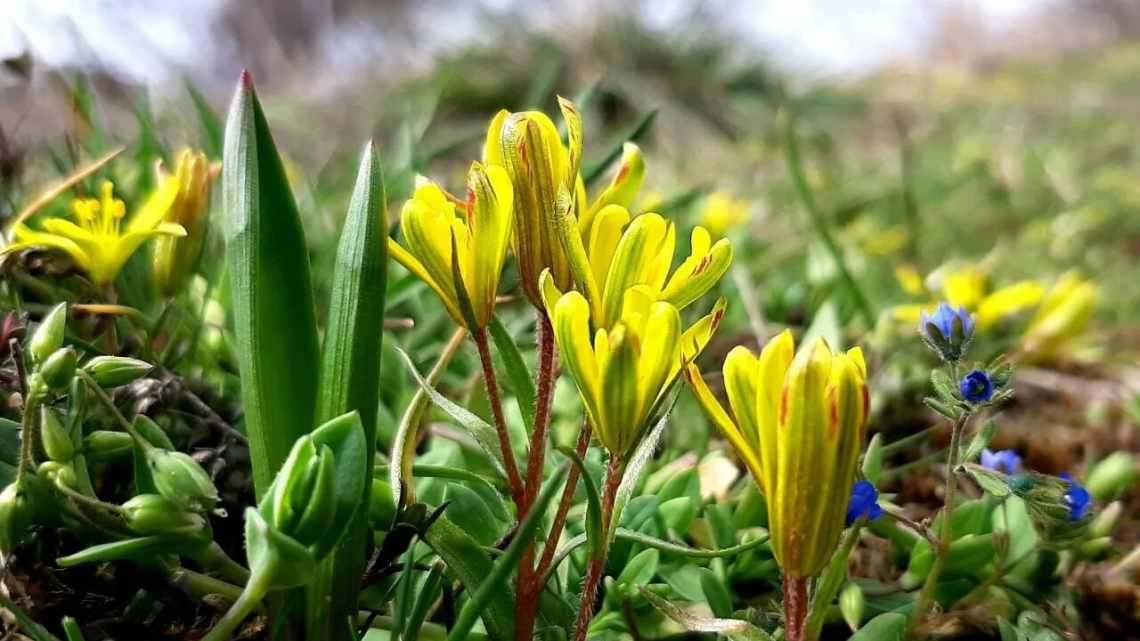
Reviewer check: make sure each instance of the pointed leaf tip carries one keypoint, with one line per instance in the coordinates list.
(246, 79)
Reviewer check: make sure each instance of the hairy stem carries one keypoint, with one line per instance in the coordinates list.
(795, 607)
(564, 505)
(527, 607)
(923, 603)
(597, 564)
(518, 492)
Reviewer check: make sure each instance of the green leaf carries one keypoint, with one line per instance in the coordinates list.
(404, 442)
(270, 288)
(499, 578)
(594, 534)
(980, 442)
(522, 383)
(873, 459)
(9, 450)
(350, 376)
(468, 510)
(145, 547)
(469, 562)
(889, 626)
(993, 483)
(479, 429)
(733, 629)
(208, 121)
(825, 324)
(634, 469)
(427, 597)
(640, 569)
(716, 593)
(678, 513)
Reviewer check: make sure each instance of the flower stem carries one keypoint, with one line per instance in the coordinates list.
(597, 564)
(255, 590)
(25, 461)
(926, 595)
(518, 492)
(527, 607)
(795, 607)
(564, 505)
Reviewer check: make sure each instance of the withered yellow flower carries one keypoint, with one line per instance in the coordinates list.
(625, 373)
(459, 256)
(175, 257)
(98, 241)
(797, 422)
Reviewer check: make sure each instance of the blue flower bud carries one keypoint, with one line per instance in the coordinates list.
(864, 502)
(947, 331)
(1076, 497)
(1006, 461)
(976, 387)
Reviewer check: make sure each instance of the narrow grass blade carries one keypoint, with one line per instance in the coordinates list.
(634, 134)
(208, 121)
(270, 289)
(350, 378)
(466, 558)
(497, 580)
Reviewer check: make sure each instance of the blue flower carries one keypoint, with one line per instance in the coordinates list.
(977, 387)
(947, 331)
(1077, 498)
(864, 502)
(1001, 461)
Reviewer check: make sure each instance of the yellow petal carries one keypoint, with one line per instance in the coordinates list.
(1007, 301)
(26, 238)
(659, 352)
(410, 263)
(156, 206)
(489, 220)
(626, 182)
(571, 320)
(715, 412)
(493, 145)
(774, 361)
(741, 384)
(700, 271)
(633, 258)
(620, 404)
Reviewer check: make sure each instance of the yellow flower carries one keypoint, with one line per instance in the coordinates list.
(460, 258)
(98, 243)
(633, 257)
(967, 286)
(1062, 318)
(722, 213)
(539, 166)
(174, 257)
(550, 195)
(625, 373)
(797, 422)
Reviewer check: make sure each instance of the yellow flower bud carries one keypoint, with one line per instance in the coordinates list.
(175, 257)
(797, 422)
(529, 147)
(459, 256)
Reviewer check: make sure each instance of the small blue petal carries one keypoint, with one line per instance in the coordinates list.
(863, 503)
(1077, 497)
(1006, 461)
(976, 387)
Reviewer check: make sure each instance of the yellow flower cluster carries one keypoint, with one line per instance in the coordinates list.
(603, 275)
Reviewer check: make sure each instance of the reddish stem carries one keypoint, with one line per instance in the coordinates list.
(564, 505)
(597, 564)
(527, 607)
(492, 382)
(795, 607)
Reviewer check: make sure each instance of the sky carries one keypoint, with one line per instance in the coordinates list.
(822, 37)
